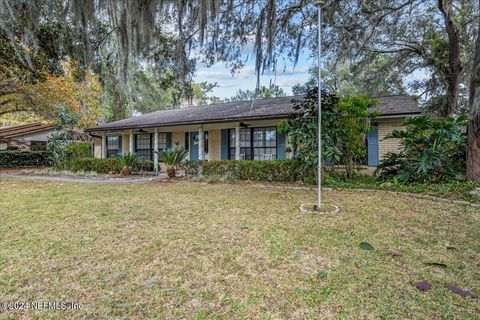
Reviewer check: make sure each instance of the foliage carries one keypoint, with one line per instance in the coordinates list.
(108, 165)
(263, 92)
(128, 159)
(40, 100)
(354, 124)
(172, 158)
(433, 150)
(78, 149)
(190, 167)
(63, 135)
(24, 158)
(276, 170)
(352, 79)
(345, 121)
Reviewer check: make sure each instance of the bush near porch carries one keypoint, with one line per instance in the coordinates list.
(13, 158)
(109, 165)
(276, 170)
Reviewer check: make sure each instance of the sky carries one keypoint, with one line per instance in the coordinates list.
(286, 76)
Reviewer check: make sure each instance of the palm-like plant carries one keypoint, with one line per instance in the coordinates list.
(127, 160)
(171, 159)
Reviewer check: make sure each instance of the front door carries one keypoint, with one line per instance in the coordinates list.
(194, 144)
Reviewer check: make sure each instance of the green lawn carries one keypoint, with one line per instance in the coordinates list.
(171, 250)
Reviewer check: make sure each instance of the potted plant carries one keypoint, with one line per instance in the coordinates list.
(171, 159)
(126, 161)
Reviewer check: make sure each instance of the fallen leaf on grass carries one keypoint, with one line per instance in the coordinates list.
(435, 264)
(394, 253)
(366, 246)
(423, 285)
(460, 291)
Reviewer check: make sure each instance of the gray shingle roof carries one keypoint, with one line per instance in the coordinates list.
(275, 108)
(14, 131)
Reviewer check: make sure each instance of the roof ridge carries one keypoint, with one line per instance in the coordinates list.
(21, 126)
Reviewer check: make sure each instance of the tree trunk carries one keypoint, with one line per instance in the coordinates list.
(117, 105)
(473, 150)
(454, 67)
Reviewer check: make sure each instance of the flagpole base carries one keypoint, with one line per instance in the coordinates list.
(326, 209)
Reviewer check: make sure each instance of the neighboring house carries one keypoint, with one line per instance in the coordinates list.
(212, 132)
(25, 137)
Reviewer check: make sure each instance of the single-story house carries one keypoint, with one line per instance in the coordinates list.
(26, 137)
(245, 130)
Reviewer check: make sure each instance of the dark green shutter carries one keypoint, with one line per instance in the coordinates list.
(281, 145)
(169, 140)
(372, 141)
(120, 145)
(224, 144)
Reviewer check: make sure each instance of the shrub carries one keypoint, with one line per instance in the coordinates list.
(172, 159)
(24, 158)
(277, 170)
(78, 149)
(434, 150)
(190, 167)
(127, 161)
(93, 164)
(103, 165)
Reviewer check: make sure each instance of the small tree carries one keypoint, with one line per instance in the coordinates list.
(63, 135)
(354, 123)
(345, 121)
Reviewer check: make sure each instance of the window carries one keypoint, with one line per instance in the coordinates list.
(38, 145)
(143, 146)
(113, 146)
(255, 143)
(245, 144)
(265, 143)
(162, 141)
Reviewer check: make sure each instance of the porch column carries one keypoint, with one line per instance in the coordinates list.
(104, 145)
(201, 154)
(155, 149)
(130, 141)
(237, 141)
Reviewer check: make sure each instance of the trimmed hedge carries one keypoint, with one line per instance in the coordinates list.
(78, 149)
(276, 170)
(13, 158)
(102, 165)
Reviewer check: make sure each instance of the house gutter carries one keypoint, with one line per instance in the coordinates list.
(222, 120)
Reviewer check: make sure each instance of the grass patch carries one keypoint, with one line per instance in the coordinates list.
(55, 172)
(217, 251)
(453, 190)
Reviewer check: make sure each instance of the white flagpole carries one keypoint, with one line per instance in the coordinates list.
(319, 168)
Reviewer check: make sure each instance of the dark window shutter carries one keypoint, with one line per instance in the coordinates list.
(281, 141)
(120, 145)
(224, 144)
(373, 147)
(169, 140)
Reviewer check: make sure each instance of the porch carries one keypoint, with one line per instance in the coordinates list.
(252, 140)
